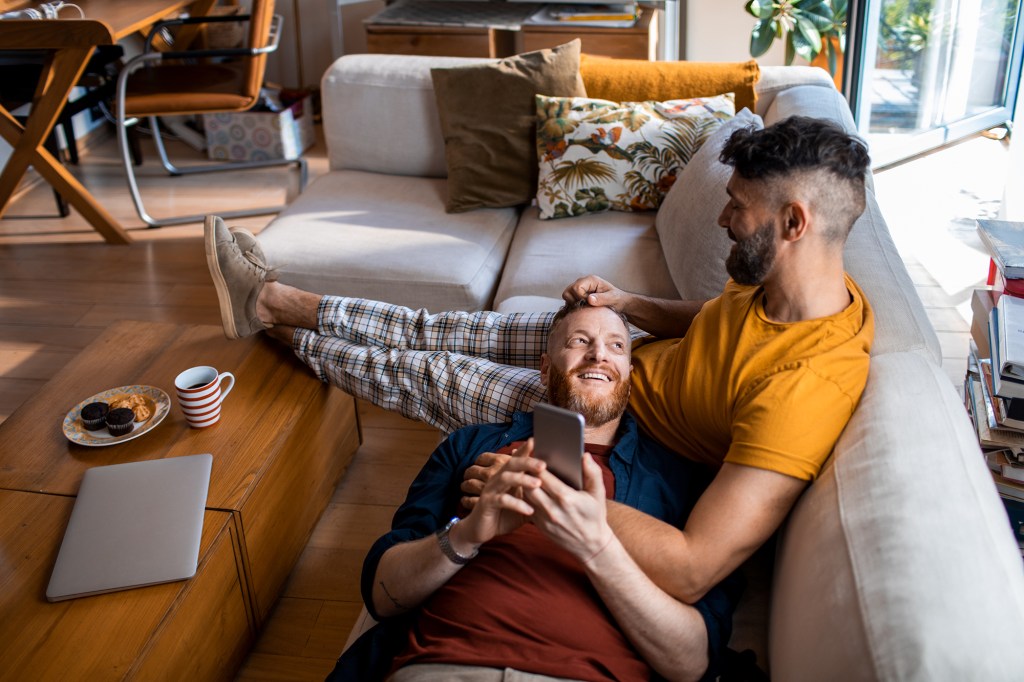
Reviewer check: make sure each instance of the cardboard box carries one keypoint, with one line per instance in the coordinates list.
(260, 135)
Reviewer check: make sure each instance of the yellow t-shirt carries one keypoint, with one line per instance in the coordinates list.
(743, 389)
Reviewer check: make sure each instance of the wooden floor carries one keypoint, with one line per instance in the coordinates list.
(60, 286)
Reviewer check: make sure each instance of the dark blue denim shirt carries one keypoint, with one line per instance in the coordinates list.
(648, 477)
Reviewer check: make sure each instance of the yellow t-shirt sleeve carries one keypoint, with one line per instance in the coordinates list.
(790, 423)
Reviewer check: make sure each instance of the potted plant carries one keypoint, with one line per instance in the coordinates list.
(809, 27)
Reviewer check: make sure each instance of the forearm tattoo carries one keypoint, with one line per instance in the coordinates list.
(398, 605)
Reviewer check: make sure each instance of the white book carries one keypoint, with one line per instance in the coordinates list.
(1004, 385)
(1010, 328)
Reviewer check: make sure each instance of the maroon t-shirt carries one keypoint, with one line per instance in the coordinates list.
(525, 603)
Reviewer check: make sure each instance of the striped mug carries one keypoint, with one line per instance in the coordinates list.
(201, 390)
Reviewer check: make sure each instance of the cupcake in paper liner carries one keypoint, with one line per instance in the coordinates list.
(94, 416)
(120, 421)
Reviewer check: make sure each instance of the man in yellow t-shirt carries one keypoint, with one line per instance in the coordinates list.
(758, 382)
(761, 380)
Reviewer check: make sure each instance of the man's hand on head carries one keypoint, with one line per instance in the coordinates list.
(597, 292)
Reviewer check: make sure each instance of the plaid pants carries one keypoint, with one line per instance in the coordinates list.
(448, 370)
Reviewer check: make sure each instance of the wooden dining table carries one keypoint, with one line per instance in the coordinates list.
(68, 44)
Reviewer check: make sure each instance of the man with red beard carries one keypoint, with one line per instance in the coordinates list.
(533, 579)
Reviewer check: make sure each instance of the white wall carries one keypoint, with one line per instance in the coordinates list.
(719, 31)
(305, 51)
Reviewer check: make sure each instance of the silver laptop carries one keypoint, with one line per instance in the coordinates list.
(132, 525)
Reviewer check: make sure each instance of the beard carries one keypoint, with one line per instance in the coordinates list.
(751, 259)
(596, 410)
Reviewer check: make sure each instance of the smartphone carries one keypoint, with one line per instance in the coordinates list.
(558, 440)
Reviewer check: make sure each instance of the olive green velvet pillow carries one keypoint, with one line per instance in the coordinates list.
(488, 118)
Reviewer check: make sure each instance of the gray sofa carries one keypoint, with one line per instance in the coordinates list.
(897, 563)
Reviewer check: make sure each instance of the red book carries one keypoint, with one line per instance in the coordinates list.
(1013, 287)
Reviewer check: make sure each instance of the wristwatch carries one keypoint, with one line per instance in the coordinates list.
(446, 545)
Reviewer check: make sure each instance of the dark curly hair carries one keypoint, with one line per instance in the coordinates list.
(824, 160)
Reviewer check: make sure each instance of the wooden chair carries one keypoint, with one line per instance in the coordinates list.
(20, 73)
(197, 81)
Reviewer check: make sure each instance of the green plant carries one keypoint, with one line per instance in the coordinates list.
(807, 26)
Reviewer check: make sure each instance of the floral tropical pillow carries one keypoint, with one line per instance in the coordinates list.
(597, 155)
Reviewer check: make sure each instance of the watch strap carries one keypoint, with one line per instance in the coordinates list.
(446, 546)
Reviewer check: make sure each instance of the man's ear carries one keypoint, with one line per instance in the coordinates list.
(796, 218)
(545, 367)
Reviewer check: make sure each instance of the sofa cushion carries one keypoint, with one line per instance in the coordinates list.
(630, 80)
(347, 234)
(488, 120)
(380, 114)
(898, 563)
(547, 255)
(695, 246)
(597, 154)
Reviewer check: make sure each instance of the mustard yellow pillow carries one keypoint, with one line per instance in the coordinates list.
(633, 80)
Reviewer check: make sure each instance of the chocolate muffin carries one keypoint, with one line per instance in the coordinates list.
(120, 420)
(94, 416)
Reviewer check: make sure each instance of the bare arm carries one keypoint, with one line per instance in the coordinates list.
(671, 636)
(737, 513)
(410, 572)
(661, 317)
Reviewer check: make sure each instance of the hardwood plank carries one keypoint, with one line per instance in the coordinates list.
(326, 573)
(287, 630)
(327, 640)
(371, 416)
(275, 668)
(314, 628)
(14, 392)
(351, 526)
(33, 364)
(50, 337)
(384, 469)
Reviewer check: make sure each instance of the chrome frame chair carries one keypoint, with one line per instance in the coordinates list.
(124, 121)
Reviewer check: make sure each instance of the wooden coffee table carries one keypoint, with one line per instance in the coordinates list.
(280, 448)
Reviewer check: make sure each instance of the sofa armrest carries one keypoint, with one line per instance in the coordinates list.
(380, 114)
(899, 563)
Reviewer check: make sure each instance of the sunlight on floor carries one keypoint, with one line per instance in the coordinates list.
(931, 203)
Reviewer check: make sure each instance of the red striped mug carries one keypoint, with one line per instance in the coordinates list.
(201, 390)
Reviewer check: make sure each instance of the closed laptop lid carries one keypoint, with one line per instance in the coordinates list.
(132, 525)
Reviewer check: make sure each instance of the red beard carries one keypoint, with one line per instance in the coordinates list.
(596, 410)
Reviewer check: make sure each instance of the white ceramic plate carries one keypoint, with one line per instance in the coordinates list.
(76, 433)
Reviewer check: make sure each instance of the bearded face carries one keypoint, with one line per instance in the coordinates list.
(752, 257)
(578, 389)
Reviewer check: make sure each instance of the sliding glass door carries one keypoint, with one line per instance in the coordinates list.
(929, 72)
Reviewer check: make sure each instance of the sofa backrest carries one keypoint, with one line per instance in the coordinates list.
(381, 115)
(871, 257)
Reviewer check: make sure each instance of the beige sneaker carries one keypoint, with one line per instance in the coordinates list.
(248, 243)
(238, 276)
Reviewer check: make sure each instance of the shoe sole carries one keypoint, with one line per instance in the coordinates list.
(223, 295)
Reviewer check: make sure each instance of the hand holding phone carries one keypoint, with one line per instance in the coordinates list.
(558, 441)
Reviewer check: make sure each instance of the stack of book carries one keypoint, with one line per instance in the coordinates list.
(1000, 432)
(994, 384)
